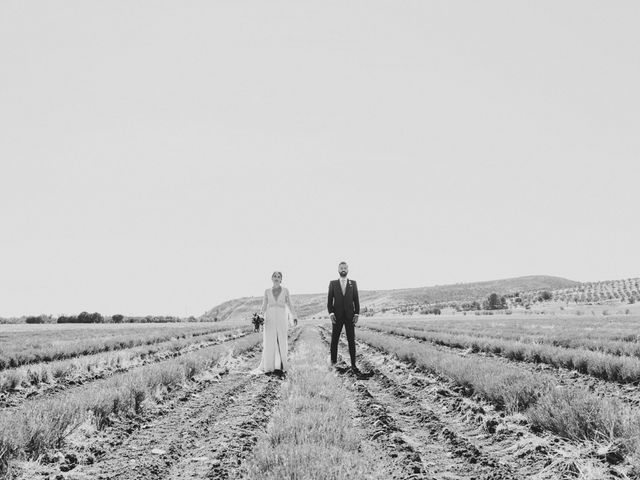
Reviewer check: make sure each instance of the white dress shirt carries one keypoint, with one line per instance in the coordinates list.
(343, 284)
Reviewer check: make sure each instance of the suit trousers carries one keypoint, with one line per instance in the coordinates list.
(349, 328)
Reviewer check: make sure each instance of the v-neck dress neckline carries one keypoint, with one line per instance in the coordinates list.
(275, 299)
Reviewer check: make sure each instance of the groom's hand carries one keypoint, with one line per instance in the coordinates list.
(355, 318)
(332, 316)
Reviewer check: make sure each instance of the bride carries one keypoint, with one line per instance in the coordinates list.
(276, 309)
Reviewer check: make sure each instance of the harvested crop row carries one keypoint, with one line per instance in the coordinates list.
(51, 344)
(42, 424)
(571, 413)
(623, 329)
(480, 441)
(312, 434)
(599, 365)
(566, 339)
(623, 392)
(205, 433)
(31, 381)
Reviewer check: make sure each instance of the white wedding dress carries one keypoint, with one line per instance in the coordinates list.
(276, 312)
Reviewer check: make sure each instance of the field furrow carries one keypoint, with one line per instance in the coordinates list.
(617, 335)
(232, 440)
(574, 416)
(48, 343)
(317, 431)
(615, 368)
(495, 445)
(37, 426)
(626, 393)
(450, 447)
(203, 431)
(628, 345)
(379, 421)
(80, 372)
(174, 441)
(419, 409)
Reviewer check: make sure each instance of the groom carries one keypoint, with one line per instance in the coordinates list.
(344, 309)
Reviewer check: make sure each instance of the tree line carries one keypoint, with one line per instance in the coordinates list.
(95, 317)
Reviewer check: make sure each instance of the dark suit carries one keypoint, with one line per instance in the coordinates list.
(344, 307)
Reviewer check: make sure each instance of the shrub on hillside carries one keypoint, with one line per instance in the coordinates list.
(494, 302)
(38, 319)
(545, 296)
(430, 311)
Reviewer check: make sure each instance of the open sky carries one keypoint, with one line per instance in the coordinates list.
(162, 157)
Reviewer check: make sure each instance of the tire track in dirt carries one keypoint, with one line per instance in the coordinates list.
(205, 434)
(626, 393)
(17, 398)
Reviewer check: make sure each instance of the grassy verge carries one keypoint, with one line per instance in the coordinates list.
(311, 434)
(30, 430)
(600, 365)
(568, 412)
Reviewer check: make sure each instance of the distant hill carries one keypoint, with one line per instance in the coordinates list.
(624, 291)
(312, 304)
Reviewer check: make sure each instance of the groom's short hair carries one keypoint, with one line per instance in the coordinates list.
(343, 263)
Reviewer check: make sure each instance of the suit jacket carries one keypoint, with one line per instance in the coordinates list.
(343, 306)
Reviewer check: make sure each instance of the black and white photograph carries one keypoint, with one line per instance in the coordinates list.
(319, 240)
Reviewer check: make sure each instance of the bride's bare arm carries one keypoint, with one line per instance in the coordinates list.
(263, 309)
(287, 299)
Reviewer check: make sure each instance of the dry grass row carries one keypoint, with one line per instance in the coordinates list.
(100, 363)
(43, 424)
(607, 337)
(22, 348)
(622, 328)
(629, 346)
(597, 364)
(572, 413)
(311, 434)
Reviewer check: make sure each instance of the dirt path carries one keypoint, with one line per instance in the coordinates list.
(627, 393)
(204, 431)
(446, 435)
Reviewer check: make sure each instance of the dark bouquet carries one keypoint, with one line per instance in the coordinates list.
(257, 320)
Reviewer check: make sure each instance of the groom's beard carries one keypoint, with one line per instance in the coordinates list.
(343, 274)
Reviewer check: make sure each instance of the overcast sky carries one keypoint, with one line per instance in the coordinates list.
(162, 157)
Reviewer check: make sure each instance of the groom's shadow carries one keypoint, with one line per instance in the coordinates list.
(344, 369)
